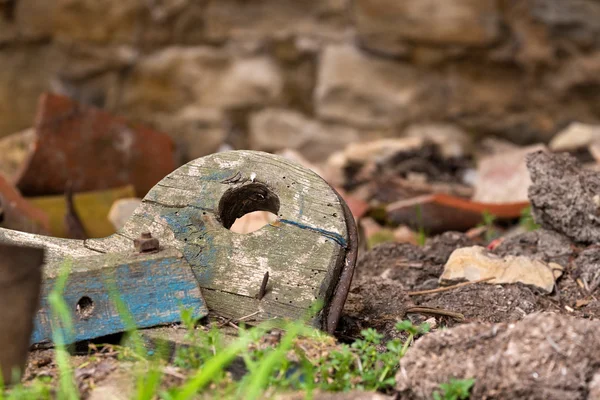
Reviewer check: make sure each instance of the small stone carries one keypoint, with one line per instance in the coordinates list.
(577, 135)
(452, 141)
(475, 263)
(122, 210)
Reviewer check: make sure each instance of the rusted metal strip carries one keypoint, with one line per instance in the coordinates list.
(345, 280)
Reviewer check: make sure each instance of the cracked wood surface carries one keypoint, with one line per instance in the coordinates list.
(189, 210)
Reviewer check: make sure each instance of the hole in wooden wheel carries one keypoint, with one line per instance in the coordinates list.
(248, 208)
(85, 307)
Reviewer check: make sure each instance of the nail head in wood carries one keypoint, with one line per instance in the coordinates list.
(146, 243)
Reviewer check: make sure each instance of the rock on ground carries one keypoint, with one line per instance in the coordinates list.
(540, 244)
(564, 197)
(475, 263)
(544, 356)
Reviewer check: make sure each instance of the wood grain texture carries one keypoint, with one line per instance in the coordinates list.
(303, 251)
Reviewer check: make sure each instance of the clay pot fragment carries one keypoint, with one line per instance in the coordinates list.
(92, 149)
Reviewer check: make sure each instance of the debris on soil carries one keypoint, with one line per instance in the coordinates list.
(375, 302)
(503, 178)
(540, 244)
(588, 268)
(89, 372)
(390, 169)
(400, 262)
(416, 268)
(565, 198)
(437, 213)
(544, 356)
(439, 248)
(485, 303)
(354, 395)
(575, 136)
(475, 263)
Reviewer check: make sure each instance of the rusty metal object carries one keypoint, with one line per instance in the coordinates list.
(146, 243)
(20, 281)
(263, 286)
(20, 214)
(345, 280)
(75, 228)
(92, 149)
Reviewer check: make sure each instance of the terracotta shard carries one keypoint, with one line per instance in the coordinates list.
(441, 212)
(92, 149)
(19, 214)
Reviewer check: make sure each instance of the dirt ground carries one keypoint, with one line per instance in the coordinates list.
(516, 340)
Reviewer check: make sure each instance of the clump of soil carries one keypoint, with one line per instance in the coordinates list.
(88, 372)
(416, 268)
(544, 356)
(588, 268)
(564, 196)
(374, 302)
(541, 244)
(438, 249)
(485, 303)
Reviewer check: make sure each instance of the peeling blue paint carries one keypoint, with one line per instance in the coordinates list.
(190, 229)
(147, 288)
(336, 237)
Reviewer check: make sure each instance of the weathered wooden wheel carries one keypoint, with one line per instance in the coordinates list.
(309, 252)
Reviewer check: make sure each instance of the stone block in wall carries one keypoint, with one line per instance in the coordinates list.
(277, 129)
(360, 89)
(259, 19)
(203, 77)
(196, 131)
(575, 21)
(385, 25)
(25, 72)
(26, 20)
(135, 22)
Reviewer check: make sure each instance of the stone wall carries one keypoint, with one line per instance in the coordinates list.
(312, 75)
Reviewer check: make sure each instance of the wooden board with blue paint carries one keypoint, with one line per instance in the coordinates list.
(309, 251)
(154, 287)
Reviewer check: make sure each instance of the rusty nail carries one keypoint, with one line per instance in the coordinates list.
(263, 286)
(73, 223)
(146, 243)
